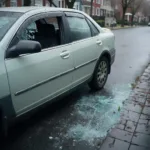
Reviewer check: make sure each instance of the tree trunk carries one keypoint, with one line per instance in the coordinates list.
(91, 10)
(123, 17)
(27, 2)
(70, 3)
(132, 19)
(52, 3)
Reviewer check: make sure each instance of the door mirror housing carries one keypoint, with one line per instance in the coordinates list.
(24, 47)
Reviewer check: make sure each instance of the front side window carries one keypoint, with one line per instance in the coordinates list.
(46, 31)
(79, 28)
(7, 19)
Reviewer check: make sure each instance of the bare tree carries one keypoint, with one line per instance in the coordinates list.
(135, 6)
(113, 5)
(125, 4)
(91, 10)
(145, 8)
(70, 3)
(52, 3)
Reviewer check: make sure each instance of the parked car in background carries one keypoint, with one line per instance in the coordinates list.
(47, 52)
(149, 24)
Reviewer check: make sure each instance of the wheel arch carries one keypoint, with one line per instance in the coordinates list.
(106, 54)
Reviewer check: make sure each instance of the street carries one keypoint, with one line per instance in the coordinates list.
(82, 120)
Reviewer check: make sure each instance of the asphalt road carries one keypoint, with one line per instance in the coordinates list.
(81, 120)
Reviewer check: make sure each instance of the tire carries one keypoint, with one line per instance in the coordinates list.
(100, 74)
(1, 128)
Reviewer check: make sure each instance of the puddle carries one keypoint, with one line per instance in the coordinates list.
(98, 114)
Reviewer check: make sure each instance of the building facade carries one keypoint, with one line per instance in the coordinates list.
(86, 7)
(83, 5)
(13, 3)
(107, 11)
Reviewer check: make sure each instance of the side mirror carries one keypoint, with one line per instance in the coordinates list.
(24, 47)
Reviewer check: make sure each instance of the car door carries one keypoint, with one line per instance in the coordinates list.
(85, 47)
(37, 78)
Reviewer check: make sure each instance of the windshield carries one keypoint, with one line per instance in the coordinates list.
(7, 19)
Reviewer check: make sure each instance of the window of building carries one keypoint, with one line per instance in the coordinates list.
(98, 11)
(98, 1)
(13, 3)
(101, 12)
(79, 28)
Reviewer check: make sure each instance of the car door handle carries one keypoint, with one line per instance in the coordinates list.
(65, 54)
(99, 42)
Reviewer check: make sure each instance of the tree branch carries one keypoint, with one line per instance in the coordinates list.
(52, 3)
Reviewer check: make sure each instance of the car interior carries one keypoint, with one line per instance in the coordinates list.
(45, 33)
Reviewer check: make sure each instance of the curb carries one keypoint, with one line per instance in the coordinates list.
(121, 28)
(132, 131)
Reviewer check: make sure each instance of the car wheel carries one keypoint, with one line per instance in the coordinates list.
(1, 129)
(2, 132)
(100, 74)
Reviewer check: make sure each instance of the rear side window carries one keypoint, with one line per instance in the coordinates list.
(95, 31)
(53, 21)
(79, 28)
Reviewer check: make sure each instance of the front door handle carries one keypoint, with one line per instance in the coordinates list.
(99, 42)
(65, 54)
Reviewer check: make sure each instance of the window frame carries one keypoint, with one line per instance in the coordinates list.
(92, 27)
(42, 16)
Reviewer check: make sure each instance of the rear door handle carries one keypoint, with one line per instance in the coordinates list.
(65, 54)
(99, 42)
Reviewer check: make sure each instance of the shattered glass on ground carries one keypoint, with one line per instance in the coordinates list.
(98, 114)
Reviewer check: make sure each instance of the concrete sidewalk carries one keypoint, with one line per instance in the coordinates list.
(133, 131)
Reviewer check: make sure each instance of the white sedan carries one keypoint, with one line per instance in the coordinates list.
(45, 53)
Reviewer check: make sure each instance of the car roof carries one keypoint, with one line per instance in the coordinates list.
(33, 8)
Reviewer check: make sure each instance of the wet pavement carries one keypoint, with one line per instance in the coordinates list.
(83, 119)
(133, 130)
